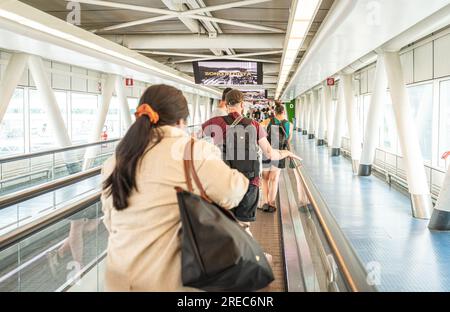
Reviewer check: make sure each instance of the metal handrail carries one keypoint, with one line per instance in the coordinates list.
(54, 151)
(392, 171)
(64, 149)
(39, 224)
(21, 196)
(349, 263)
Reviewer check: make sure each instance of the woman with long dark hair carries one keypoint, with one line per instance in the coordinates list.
(139, 198)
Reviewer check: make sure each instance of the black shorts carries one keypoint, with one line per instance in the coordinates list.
(246, 210)
(280, 164)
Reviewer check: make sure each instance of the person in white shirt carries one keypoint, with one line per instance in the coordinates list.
(221, 110)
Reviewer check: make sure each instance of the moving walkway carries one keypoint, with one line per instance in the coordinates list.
(310, 251)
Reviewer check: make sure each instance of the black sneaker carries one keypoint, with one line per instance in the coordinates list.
(264, 207)
(271, 209)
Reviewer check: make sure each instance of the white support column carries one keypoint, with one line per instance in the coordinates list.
(48, 98)
(123, 102)
(329, 113)
(440, 220)
(205, 109)
(11, 78)
(350, 107)
(311, 125)
(102, 112)
(195, 109)
(107, 94)
(408, 138)
(297, 114)
(376, 114)
(316, 102)
(208, 109)
(322, 119)
(339, 123)
(304, 115)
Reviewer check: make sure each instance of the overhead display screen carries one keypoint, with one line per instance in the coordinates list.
(228, 73)
(255, 95)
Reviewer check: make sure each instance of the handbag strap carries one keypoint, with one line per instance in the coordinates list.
(189, 168)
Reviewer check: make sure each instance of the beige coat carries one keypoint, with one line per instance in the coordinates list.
(144, 243)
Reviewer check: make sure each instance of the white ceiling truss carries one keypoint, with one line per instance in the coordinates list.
(190, 14)
(176, 33)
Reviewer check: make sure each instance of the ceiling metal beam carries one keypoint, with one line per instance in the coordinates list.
(178, 42)
(193, 25)
(237, 56)
(236, 23)
(268, 69)
(139, 8)
(207, 57)
(191, 16)
(211, 28)
(169, 14)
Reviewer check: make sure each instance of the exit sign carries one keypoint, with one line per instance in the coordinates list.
(330, 82)
(129, 82)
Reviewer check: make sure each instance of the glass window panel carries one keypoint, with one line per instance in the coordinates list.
(42, 135)
(112, 123)
(421, 99)
(191, 111)
(12, 134)
(84, 110)
(132, 104)
(61, 98)
(388, 136)
(444, 117)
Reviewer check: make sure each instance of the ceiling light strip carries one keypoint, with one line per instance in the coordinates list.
(304, 12)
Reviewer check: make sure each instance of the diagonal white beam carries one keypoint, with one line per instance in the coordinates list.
(206, 57)
(137, 23)
(186, 14)
(177, 6)
(130, 7)
(193, 16)
(196, 42)
(224, 6)
(235, 23)
(10, 80)
(139, 8)
(237, 56)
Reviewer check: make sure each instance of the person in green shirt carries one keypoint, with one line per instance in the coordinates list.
(279, 131)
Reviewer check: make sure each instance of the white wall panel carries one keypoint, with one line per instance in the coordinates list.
(61, 81)
(442, 57)
(47, 66)
(371, 79)
(408, 66)
(423, 62)
(364, 83)
(79, 84)
(93, 81)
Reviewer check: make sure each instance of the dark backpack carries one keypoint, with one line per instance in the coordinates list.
(279, 140)
(240, 150)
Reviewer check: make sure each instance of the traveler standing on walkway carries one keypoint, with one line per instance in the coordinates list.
(221, 110)
(228, 130)
(279, 135)
(139, 198)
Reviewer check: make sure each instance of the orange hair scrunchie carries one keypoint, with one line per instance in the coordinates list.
(147, 110)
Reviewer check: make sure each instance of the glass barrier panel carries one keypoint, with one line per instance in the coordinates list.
(55, 258)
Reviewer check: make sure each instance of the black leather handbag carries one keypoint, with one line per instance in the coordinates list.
(217, 253)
